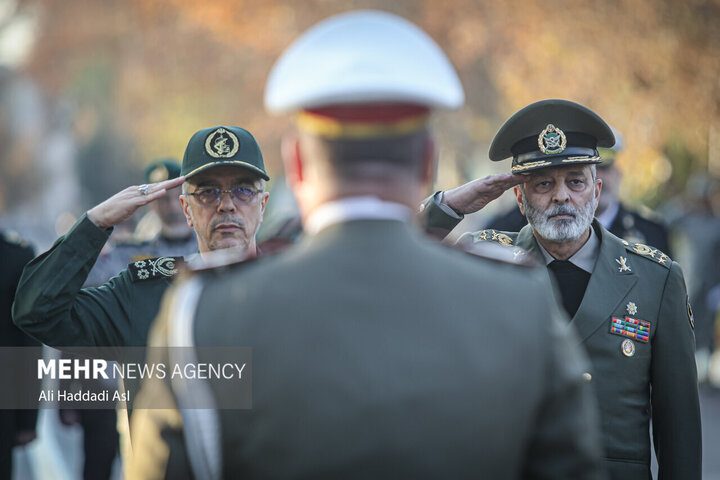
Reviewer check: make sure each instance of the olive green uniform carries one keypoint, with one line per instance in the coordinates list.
(652, 379)
(52, 306)
(377, 354)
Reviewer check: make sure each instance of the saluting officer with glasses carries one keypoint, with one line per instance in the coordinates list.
(223, 198)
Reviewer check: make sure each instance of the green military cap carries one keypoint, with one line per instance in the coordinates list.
(551, 133)
(608, 154)
(162, 169)
(221, 145)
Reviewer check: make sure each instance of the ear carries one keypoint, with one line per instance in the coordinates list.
(263, 204)
(290, 152)
(186, 210)
(598, 189)
(429, 168)
(518, 197)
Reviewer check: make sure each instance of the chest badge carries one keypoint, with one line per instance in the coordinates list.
(628, 348)
(624, 267)
(631, 308)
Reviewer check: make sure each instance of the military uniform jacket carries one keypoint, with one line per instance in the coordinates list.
(52, 306)
(378, 354)
(635, 378)
(14, 253)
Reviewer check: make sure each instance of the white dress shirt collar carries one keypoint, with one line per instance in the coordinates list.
(355, 208)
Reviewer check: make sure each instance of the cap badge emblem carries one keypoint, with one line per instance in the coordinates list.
(222, 143)
(552, 140)
(628, 348)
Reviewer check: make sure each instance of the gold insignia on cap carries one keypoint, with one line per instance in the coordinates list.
(552, 140)
(628, 348)
(624, 267)
(222, 143)
(159, 174)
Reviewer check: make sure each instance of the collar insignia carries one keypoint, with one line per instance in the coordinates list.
(624, 267)
(222, 143)
(552, 140)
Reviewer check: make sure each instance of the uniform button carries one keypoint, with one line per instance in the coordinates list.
(587, 377)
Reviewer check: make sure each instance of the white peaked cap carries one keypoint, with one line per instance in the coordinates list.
(362, 57)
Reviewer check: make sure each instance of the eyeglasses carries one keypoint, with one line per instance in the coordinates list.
(210, 195)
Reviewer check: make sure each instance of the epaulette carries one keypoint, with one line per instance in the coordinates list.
(497, 253)
(649, 252)
(218, 260)
(14, 238)
(492, 236)
(160, 267)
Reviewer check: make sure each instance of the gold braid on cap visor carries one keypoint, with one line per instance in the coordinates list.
(332, 128)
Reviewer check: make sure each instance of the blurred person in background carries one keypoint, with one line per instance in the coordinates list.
(397, 337)
(697, 241)
(17, 427)
(616, 217)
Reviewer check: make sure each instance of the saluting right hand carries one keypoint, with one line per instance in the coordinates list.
(123, 204)
(474, 195)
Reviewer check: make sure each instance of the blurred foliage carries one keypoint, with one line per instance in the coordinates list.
(160, 70)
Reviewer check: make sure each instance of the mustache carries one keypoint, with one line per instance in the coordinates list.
(561, 210)
(227, 219)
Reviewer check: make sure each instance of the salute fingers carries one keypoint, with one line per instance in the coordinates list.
(123, 204)
(149, 192)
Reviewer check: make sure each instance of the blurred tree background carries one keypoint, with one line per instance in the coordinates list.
(124, 82)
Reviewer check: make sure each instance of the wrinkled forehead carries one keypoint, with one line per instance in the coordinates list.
(225, 176)
(574, 171)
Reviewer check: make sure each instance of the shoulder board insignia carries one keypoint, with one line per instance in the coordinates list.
(160, 267)
(650, 252)
(493, 236)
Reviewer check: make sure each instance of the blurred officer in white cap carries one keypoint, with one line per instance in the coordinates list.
(377, 353)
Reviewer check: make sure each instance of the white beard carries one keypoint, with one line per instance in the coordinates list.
(560, 230)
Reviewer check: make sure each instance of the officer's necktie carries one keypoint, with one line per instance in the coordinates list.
(572, 281)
